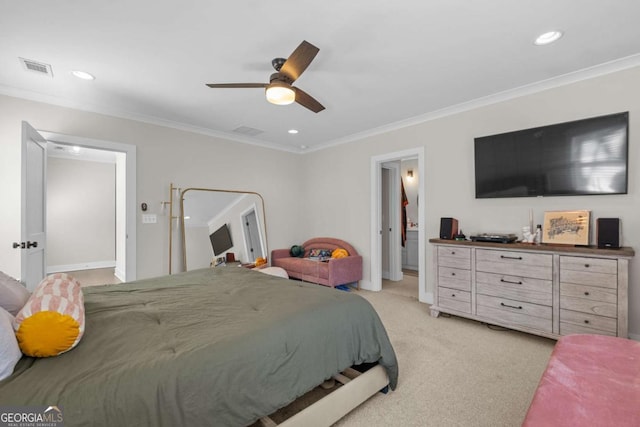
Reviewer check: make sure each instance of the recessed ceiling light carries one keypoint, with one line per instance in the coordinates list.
(83, 75)
(75, 149)
(293, 131)
(548, 37)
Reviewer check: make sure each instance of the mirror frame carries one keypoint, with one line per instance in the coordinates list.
(182, 229)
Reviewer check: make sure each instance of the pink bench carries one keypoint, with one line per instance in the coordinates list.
(339, 271)
(591, 380)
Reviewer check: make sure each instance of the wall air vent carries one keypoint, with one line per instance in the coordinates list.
(245, 130)
(37, 67)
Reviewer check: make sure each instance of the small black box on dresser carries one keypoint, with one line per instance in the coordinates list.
(448, 228)
(609, 233)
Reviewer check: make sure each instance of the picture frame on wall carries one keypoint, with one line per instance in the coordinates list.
(566, 228)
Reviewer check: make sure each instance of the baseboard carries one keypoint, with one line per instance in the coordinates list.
(428, 298)
(365, 284)
(83, 266)
(634, 337)
(120, 274)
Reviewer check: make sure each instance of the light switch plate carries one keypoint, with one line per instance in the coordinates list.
(149, 218)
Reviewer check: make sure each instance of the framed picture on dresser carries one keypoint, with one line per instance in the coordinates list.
(566, 227)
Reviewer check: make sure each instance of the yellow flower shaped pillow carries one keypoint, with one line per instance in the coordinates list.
(52, 320)
(339, 253)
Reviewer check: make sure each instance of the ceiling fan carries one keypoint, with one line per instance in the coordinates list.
(279, 89)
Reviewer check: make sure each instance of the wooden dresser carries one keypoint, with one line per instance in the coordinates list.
(540, 289)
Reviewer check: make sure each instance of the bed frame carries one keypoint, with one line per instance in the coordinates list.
(356, 388)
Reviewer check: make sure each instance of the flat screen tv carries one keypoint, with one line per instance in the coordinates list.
(583, 157)
(221, 240)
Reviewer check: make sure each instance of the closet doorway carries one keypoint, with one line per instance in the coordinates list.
(386, 176)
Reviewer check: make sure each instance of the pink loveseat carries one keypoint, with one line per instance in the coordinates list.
(334, 272)
(591, 380)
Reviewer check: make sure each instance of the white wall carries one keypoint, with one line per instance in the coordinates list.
(81, 213)
(164, 155)
(449, 171)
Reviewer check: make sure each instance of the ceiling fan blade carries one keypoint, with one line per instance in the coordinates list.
(237, 85)
(299, 60)
(307, 101)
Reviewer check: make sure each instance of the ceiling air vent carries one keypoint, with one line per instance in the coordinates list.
(245, 130)
(37, 67)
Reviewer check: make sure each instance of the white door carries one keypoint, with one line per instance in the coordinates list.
(34, 190)
(252, 236)
(386, 223)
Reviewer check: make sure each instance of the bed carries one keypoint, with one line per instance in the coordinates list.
(221, 346)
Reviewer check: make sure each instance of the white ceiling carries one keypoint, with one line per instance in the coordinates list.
(381, 64)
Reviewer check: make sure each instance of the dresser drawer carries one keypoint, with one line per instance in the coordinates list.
(454, 278)
(603, 280)
(516, 285)
(454, 257)
(591, 265)
(454, 252)
(591, 293)
(537, 266)
(541, 296)
(519, 313)
(576, 322)
(454, 299)
(582, 305)
(570, 328)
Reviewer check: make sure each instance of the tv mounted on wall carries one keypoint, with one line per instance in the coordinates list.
(583, 157)
(221, 240)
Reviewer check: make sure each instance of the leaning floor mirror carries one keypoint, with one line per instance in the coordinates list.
(216, 222)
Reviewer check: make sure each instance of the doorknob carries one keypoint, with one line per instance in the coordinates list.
(32, 244)
(18, 245)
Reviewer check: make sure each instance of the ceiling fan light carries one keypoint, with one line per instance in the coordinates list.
(280, 95)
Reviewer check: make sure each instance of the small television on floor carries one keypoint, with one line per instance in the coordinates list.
(221, 240)
(583, 157)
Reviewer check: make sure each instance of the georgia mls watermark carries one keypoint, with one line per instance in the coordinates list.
(31, 416)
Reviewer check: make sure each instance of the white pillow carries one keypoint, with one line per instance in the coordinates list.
(9, 351)
(13, 294)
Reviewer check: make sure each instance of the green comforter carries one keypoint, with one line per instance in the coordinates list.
(222, 346)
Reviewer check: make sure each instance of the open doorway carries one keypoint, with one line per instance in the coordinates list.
(90, 215)
(399, 189)
(84, 211)
(378, 165)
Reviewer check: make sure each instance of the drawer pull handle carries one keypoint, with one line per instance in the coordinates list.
(510, 257)
(453, 252)
(511, 306)
(453, 274)
(586, 293)
(586, 266)
(509, 281)
(586, 321)
(453, 295)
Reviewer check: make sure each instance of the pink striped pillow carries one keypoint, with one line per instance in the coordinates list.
(60, 284)
(52, 320)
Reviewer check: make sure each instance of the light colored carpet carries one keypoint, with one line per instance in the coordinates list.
(407, 287)
(95, 277)
(453, 371)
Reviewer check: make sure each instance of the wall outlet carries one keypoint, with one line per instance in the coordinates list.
(149, 218)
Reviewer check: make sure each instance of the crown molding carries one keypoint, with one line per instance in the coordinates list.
(551, 83)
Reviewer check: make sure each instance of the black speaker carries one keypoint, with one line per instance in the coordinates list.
(609, 233)
(448, 228)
